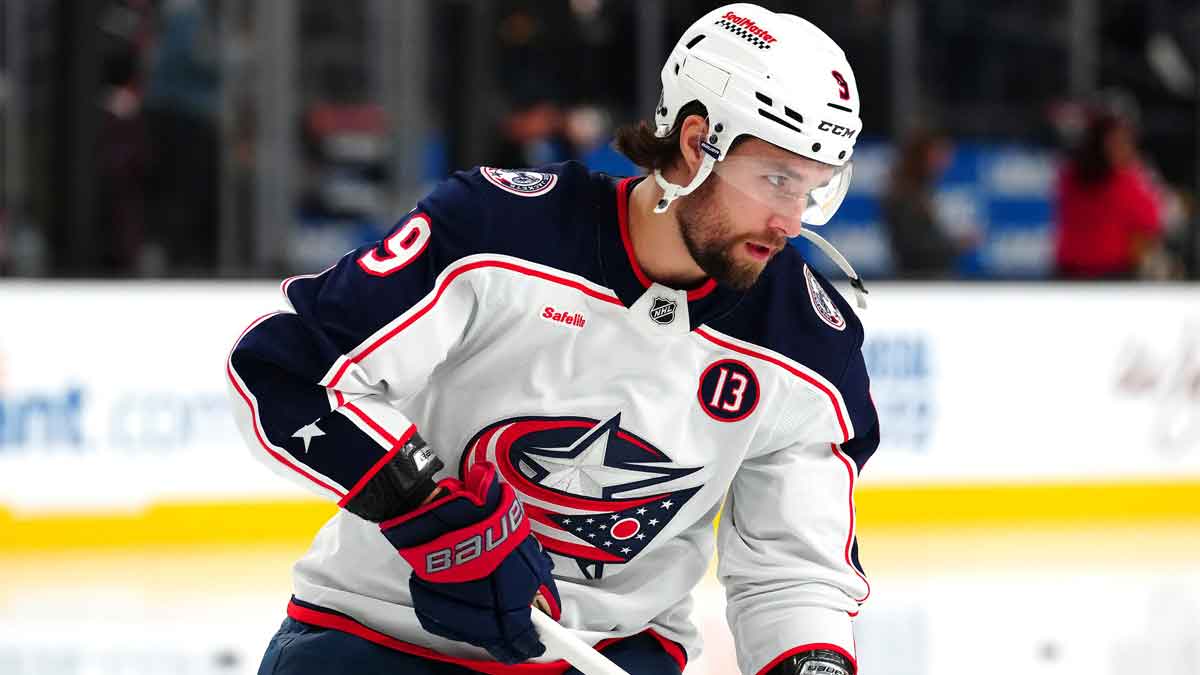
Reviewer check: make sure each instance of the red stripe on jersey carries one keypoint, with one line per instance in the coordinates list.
(798, 373)
(479, 447)
(638, 442)
(358, 412)
(541, 515)
(446, 283)
(837, 452)
(623, 221)
(703, 290)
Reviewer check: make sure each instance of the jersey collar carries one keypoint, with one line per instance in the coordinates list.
(707, 301)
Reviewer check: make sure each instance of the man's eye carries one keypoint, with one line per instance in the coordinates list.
(777, 180)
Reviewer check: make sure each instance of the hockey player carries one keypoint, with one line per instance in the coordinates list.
(542, 386)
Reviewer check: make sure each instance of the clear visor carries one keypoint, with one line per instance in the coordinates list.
(807, 191)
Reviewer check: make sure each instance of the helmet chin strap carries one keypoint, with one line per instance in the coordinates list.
(860, 290)
(671, 191)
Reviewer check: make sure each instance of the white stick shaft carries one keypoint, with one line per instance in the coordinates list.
(562, 643)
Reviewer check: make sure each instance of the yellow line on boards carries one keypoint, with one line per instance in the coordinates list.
(879, 508)
(1029, 504)
(175, 524)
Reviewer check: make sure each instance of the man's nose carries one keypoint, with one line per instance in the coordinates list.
(788, 226)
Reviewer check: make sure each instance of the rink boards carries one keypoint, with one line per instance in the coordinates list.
(1000, 404)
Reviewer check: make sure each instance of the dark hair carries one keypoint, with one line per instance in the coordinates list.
(911, 170)
(638, 142)
(120, 66)
(1090, 159)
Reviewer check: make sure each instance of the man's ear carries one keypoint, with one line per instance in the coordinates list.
(691, 133)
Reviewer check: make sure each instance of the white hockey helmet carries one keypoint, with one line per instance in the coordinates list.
(772, 76)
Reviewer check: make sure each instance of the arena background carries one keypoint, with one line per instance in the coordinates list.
(1034, 506)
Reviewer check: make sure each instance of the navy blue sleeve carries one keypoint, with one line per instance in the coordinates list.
(855, 386)
(308, 385)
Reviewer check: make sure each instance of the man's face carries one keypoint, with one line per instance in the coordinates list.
(744, 213)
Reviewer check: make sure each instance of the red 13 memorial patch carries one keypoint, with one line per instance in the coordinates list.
(728, 391)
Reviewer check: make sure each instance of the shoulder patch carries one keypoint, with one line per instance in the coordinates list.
(822, 303)
(520, 182)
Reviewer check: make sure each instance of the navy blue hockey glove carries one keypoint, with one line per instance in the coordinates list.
(476, 567)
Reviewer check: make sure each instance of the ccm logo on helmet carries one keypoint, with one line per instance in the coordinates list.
(748, 24)
(836, 129)
(476, 545)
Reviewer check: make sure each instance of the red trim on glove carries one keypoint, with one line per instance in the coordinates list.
(474, 551)
(808, 648)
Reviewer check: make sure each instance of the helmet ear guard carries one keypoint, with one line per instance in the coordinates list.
(709, 156)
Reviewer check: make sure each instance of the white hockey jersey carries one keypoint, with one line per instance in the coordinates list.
(507, 320)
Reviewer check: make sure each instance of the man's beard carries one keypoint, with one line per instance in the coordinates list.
(705, 225)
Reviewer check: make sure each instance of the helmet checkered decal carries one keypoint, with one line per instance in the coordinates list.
(744, 34)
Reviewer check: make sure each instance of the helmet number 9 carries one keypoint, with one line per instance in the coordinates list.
(843, 87)
(402, 246)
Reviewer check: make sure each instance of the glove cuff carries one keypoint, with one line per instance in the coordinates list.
(397, 485)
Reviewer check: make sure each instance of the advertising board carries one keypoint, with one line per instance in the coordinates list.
(112, 396)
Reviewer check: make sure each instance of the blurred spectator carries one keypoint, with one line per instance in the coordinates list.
(920, 245)
(589, 130)
(122, 157)
(4, 264)
(182, 108)
(531, 133)
(1109, 218)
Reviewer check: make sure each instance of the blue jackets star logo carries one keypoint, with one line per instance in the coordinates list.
(595, 492)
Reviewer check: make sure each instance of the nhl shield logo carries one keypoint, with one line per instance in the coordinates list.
(662, 310)
(520, 182)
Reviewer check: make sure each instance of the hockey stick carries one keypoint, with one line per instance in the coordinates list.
(578, 653)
